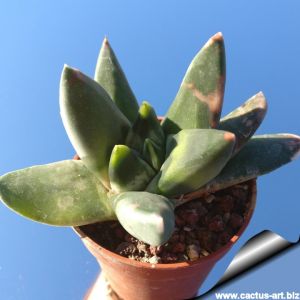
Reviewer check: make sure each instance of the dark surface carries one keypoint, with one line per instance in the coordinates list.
(202, 227)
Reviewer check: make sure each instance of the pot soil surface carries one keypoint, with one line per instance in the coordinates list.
(202, 227)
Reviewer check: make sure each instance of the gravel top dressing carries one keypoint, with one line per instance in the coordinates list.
(202, 227)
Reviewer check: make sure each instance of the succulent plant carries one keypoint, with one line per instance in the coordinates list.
(137, 169)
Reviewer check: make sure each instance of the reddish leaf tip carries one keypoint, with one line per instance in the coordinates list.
(217, 37)
(228, 136)
(262, 100)
(105, 42)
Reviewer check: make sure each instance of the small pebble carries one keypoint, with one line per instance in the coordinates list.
(178, 248)
(242, 186)
(202, 227)
(191, 218)
(192, 252)
(142, 247)
(236, 221)
(178, 221)
(154, 260)
(226, 203)
(206, 239)
(126, 248)
(186, 228)
(191, 234)
(169, 257)
(174, 238)
(182, 236)
(156, 250)
(224, 237)
(239, 193)
(129, 238)
(216, 224)
(210, 198)
(204, 252)
(226, 217)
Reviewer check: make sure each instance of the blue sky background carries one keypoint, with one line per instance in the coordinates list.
(155, 42)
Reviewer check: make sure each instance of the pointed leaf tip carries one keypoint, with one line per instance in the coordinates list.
(145, 126)
(244, 120)
(260, 93)
(200, 96)
(218, 37)
(198, 156)
(105, 41)
(296, 155)
(70, 74)
(229, 137)
(93, 122)
(67, 68)
(294, 144)
(64, 193)
(145, 109)
(151, 218)
(128, 171)
(110, 76)
(261, 155)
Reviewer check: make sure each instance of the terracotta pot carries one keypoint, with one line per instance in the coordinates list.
(133, 280)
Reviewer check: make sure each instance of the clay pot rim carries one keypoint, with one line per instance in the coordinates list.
(91, 243)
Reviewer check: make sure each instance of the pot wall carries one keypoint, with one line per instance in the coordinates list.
(133, 280)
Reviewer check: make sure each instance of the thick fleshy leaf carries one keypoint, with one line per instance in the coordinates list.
(171, 142)
(127, 171)
(153, 154)
(93, 122)
(64, 193)
(198, 155)
(198, 103)
(111, 77)
(245, 120)
(261, 155)
(145, 126)
(148, 217)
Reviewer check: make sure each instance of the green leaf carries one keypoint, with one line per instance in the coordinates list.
(198, 103)
(197, 157)
(127, 171)
(145, 126)
(245, 120)
(153, 154)
(261, 155)
(148, 217)
(171, 142)
(111, 77)
(64, 193)
(93, 122)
